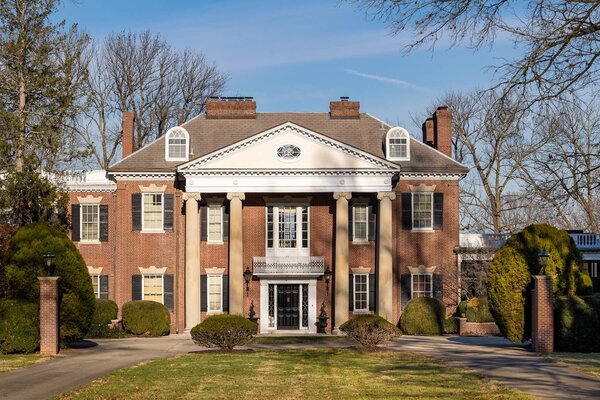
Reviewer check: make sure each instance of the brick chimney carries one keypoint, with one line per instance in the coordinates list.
(437, 131)
(127, 127)
(230, 108)
(344, 109)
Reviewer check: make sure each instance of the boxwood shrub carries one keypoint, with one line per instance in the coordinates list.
(146, 318)
(451, 325)
(477, 310)
(19, 326)
(106, 310)
(225, 331)
(423, 316)
(370, 330)
(576, 325)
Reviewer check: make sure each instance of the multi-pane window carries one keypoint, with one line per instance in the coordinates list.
(215, 223)
(90, 222)
(215, 293)
(421, 285)
(177, 145)
(153, 211)
(304, 227)
(361, 292)
(96, 285)
(361, 223)
(287, 227)
(422, 209)
(397, 144)
(153, 288)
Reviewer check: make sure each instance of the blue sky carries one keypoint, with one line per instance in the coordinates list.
(299, 55)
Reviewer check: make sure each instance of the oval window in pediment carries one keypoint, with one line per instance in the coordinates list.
(288, 152)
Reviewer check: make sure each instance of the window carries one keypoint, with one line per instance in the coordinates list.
(288, 152)
(287, 227)
(397, 144)
(360, 218)
(215, 293)
(421, 285)
(361, 292)
(153, 288)
(422, 207)
(215, 223)
(96, 285)
(593, 268)
(152, 211)
(90, 222)
(177, 144)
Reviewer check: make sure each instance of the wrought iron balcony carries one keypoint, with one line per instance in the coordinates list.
(288, 266)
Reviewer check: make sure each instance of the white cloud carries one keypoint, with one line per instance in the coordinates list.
(385, 79)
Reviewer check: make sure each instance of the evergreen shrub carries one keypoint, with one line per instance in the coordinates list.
(576, 325)
(225, 331)
(423, 316)
(451, 325)
(370, 330)
(106, 310)
(19, 326)
(146, 318)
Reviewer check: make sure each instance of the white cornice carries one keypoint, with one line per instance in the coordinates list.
(409, 176)
(142, 175)
(288, 172)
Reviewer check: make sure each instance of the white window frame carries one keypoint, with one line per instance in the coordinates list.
(401, 133)
(162, 280)
(276, 250)
(187, 144)
(412, 287)
(208, 309)
(97, 276)
(354, 238)
(81, 205)
(162, 212)
(412, 200)
(208, 239)
(354, 292)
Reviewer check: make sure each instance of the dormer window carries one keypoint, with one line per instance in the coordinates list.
(177, 144)
(397, 144)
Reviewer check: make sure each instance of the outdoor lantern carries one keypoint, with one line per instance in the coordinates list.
(48, 257)
(543, 256)
(247, 277)
(327, 278)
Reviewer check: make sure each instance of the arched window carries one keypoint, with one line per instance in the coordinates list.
(397, 144)
(177, 144)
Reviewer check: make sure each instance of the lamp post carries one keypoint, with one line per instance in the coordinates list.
(543, 258)
(327, 276)
(48, 256)
(247, 277)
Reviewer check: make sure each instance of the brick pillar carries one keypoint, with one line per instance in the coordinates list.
(542, 315)
(49, 316)
(340, 271)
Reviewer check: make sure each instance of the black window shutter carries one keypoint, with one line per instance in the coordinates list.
(438, 286)
(351, 222)
(372, 222)
(225, 223)
(204, 223)
(168, 291)
(405, 283)
(351, 293)
(372, 282)
(103, 223)
(406, 210)
(103, 286)
(168, 212)
(438, 210)
(226, 293)
(136, 211)
(75, 223)
(203, 293)
(136, 287)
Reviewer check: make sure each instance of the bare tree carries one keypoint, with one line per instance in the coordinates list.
(559, 38)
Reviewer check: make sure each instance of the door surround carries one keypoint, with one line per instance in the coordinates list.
(264, 303)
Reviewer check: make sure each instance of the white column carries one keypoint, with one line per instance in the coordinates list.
(385, 256)
(192, 260)
(342, 250)
(236, 254)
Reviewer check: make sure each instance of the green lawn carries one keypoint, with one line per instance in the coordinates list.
(588, 363)
(293, 374)
(8, 362)
(325, 339)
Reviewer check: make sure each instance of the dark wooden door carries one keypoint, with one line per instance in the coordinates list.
(288, 312)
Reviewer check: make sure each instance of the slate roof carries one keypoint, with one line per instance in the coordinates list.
(208, 135)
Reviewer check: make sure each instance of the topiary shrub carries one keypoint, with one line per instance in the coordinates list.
(509, 278)
(576, 325)
(146, 318)
(451, 325)
(423, 316)
(106, 332)
(478, 310)
(24, 263)
(370, 330)
(225, 331)
(19, 326)
(106, 310)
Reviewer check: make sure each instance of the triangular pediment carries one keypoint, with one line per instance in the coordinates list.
(289, 147)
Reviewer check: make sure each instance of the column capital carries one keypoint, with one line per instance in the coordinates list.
(191, 196)
(339, 195)
(239, 195)
(384, 195)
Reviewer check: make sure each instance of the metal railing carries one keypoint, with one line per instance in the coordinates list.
(586, 241)
(288, 266)
(583, 241)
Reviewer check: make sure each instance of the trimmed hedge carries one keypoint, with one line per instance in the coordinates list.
(24, 263)
(19, 326)
(509, 279)
(476, 310)
(423, 316)
(576, 325)
(106, 310)
(370, 330)
(225, 331)
(451, 325)
(146, 318)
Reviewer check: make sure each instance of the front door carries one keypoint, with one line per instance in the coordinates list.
(288, 311)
